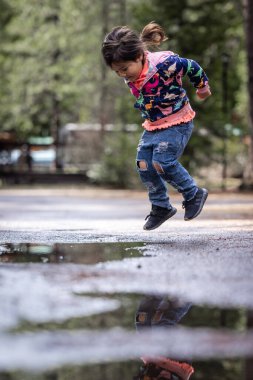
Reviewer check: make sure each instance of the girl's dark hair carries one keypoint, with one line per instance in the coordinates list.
(123, 44)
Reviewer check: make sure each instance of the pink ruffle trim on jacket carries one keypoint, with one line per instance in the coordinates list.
(185, 115)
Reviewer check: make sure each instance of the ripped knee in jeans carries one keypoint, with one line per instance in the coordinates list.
(142, 165)
(158, 167)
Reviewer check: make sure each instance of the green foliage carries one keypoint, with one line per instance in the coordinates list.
(118, 163)
(47, 68)
(52, 74)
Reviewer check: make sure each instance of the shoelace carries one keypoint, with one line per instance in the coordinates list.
(186, 203)
(150, 214)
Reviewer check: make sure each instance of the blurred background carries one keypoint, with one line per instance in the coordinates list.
(64, 117)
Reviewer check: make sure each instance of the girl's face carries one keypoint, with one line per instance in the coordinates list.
(130, 70)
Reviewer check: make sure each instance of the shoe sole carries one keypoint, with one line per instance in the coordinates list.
(204, 198)
(173, 212)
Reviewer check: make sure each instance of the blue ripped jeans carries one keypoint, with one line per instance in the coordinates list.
(159, 311)
(157, 163)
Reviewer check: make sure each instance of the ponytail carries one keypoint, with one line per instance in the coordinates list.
(124, 44)
(153, 34)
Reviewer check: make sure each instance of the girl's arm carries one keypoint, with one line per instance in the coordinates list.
(204, 92)
(196, 74)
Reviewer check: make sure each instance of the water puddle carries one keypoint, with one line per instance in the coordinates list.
(88, 253)
(142, 335)
(51, 328)
(237, 369)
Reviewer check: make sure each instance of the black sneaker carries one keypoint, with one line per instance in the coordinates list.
(158, 216)
(194, 206)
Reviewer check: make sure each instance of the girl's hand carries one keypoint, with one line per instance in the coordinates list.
(204, 92)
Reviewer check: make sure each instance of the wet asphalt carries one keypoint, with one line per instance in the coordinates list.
(86, 241)
(211, 257)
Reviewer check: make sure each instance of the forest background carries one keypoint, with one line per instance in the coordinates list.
(52, 74)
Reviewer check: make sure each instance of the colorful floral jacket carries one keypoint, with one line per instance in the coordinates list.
(161, 93)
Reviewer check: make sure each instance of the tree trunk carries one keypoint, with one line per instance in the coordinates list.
(104, 86)
(248, 18)
(123, 14)
(113, 13)
(249, 361)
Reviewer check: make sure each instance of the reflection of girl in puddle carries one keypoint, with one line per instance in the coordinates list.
(153, 312)
(162, 368)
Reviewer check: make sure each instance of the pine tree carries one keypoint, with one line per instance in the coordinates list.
(248, 19)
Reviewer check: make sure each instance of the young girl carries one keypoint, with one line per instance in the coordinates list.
(155, 79)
